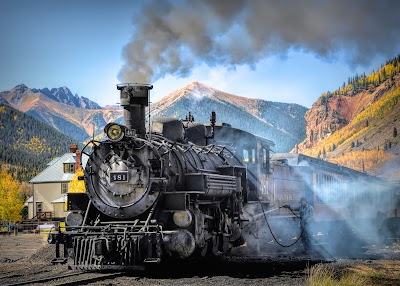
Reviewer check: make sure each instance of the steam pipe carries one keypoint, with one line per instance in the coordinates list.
(134, 98)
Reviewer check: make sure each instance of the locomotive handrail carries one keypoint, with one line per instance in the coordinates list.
(190, 145)
(87, 144)
(150, 215)
(120, 232)
(123, 230)
(109, 226)
(121, 222)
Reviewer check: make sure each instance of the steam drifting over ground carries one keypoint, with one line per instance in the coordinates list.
(173, 37)
(350, 218)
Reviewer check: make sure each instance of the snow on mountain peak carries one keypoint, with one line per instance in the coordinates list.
(199, 90)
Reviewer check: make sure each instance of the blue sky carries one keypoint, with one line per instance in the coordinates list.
(79, 44)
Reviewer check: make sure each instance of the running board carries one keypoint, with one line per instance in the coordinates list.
(152, 260)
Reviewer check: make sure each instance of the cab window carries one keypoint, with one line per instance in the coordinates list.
(265, 159)
(245, 156)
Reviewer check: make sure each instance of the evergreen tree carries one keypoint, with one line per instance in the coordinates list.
(394, 132)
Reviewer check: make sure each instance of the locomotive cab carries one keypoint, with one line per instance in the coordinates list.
(253, 152)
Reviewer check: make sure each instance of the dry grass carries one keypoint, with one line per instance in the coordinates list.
(385, 272)
(381, 272)
(327, 275)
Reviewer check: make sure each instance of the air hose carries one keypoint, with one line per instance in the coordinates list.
(269, 227)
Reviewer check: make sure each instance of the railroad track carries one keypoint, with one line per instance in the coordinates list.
(78, 279)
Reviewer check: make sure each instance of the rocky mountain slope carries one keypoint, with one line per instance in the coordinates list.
(282, 123)
(356, 125)
(69, 114)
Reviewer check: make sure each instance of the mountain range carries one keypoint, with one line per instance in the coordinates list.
(61, 94)
(357, 125)
(72, 115)
(76, 116)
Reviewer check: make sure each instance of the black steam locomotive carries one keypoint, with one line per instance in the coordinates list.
(150, 194)
(182, 189)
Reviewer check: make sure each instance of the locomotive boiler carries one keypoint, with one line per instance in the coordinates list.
(152, 194)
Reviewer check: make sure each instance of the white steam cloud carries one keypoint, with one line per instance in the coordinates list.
(173, 37)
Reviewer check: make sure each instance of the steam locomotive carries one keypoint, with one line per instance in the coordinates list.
(179, 188)
(150, 194)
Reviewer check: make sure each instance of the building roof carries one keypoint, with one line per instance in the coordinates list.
(60, 200)
(70, 160)
(55, 169)
(30, 200)
(53, 161)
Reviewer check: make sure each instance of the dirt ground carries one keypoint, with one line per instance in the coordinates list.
(27, 257)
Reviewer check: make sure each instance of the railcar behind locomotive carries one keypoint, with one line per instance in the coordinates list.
(183, 188)
(352, 208)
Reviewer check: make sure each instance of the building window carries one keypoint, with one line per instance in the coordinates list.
(64, 188)
(39, 207)
(69, 168)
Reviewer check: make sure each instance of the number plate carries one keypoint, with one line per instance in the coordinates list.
(118, 177)
(130, 132)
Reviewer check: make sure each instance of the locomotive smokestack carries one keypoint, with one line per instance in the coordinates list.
(134, 98)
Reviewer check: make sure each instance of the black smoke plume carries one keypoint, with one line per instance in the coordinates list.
(173, 37)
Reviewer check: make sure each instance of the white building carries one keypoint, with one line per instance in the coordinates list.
(50, 186)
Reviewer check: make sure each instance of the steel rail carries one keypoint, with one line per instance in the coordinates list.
(88, 280)
(40, 280)
(72, 283)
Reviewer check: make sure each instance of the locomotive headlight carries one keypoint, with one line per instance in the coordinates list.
(114, 132)
(74, 219)
(182, 218)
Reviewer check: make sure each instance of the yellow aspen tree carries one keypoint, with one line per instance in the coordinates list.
(11, 199)
(77, 186)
